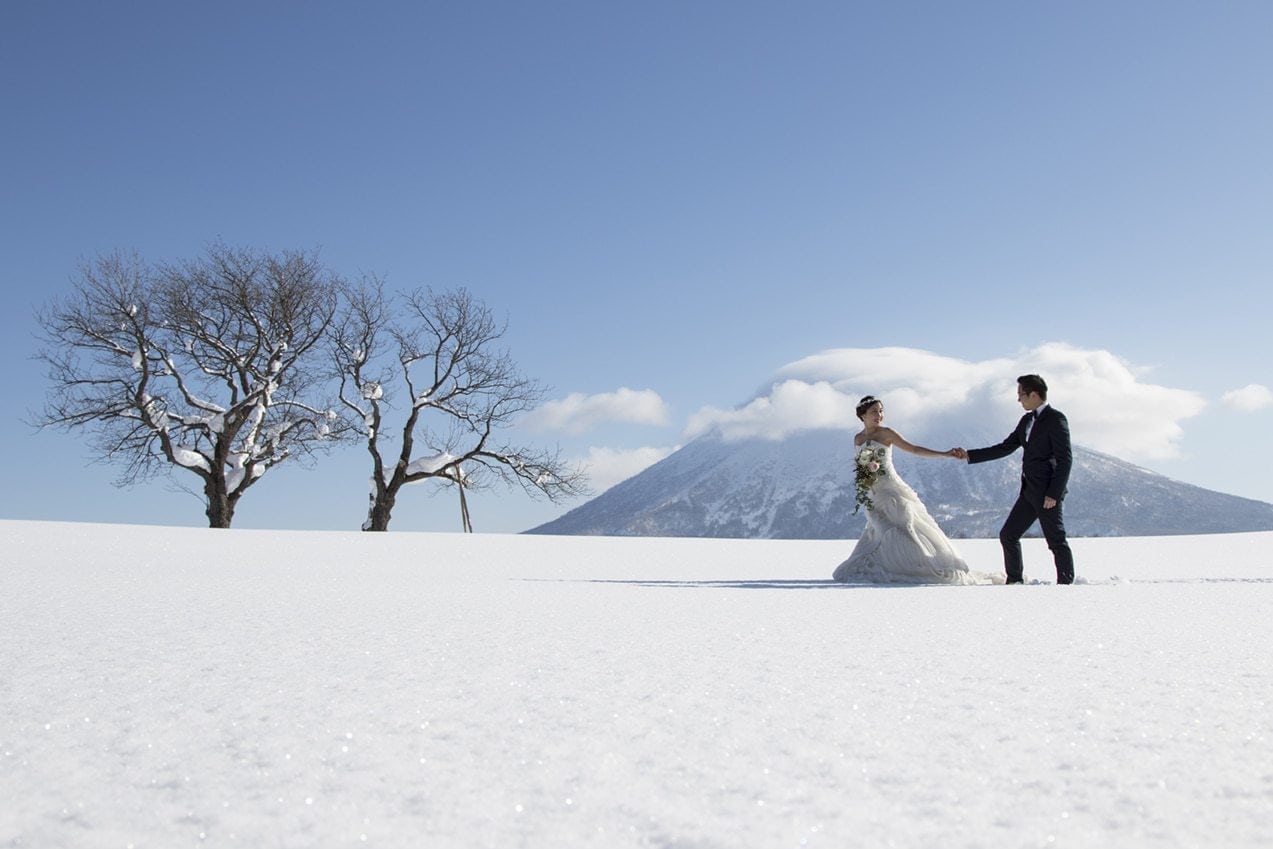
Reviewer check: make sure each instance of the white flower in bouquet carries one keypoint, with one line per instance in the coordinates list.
(870, 468)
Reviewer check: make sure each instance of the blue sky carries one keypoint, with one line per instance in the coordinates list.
(677, 205)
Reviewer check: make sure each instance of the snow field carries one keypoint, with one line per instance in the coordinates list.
(171, 687)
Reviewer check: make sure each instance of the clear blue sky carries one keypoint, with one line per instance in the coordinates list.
(679, 198)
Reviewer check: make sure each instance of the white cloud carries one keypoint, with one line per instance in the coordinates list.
(1249, 398)
(608, 466)
(790, 406)
(1110, 406)
(578, 412)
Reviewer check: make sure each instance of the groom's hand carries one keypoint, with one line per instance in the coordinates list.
(959, 453)
(1048, 502)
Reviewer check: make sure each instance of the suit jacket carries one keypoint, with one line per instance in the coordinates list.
(1045, 464)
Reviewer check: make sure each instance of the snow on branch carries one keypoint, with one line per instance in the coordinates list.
(169, 366)
(437, 355)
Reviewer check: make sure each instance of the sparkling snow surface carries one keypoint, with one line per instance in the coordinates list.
(169, 687)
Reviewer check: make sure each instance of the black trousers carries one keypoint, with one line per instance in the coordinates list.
(1024, 513)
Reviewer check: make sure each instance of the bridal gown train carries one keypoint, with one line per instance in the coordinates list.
(902, 543)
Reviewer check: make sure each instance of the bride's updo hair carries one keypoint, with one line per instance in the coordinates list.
(867, 402)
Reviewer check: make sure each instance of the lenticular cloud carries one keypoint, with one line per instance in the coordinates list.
(1110, 404)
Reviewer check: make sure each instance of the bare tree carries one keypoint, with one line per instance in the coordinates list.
(209, 367)
(431, 358)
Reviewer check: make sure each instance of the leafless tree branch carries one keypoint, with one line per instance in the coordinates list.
(436, 355)
(209, 366)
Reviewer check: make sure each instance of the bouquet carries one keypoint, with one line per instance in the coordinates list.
(868, 469)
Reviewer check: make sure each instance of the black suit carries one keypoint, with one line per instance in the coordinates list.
(1045, 471)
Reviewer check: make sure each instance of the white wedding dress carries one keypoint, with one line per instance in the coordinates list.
(902, 543)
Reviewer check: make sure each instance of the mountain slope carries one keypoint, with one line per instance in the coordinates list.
(802, 488)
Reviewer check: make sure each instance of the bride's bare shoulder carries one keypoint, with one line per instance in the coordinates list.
(885, 436)
(881, 435)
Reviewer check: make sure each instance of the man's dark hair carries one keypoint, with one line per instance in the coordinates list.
(1033, 383)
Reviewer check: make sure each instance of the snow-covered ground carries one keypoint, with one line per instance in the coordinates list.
(166, 687)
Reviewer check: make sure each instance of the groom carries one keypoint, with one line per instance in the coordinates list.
(1045, 469)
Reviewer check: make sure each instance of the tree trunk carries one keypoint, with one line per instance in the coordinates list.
(220, 509)
(378, 513)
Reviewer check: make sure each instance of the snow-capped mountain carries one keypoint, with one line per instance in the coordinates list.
(802, 488)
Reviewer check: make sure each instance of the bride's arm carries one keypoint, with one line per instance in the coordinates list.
(897, 440)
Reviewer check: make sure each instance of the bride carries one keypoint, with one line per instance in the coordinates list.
(902, 543)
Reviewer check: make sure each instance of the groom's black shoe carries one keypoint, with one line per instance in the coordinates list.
(1015, 581)
(1065, 579)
